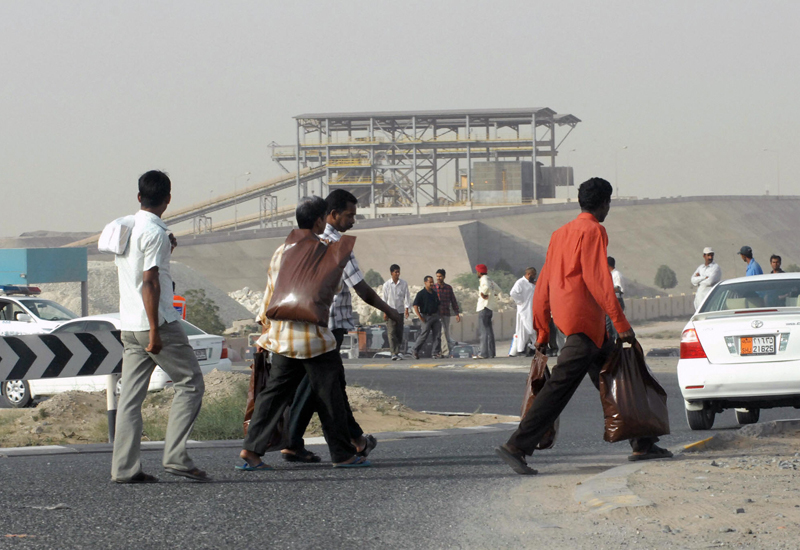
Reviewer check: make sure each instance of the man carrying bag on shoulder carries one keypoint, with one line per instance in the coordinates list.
(304, 275)
(576, 286)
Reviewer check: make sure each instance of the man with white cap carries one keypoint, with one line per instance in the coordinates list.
(705, 277)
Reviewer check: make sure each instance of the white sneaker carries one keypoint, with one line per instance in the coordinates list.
(395, 357)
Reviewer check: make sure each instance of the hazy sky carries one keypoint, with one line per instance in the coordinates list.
(93, 93)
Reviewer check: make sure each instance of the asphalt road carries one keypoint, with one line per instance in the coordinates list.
(433, 492)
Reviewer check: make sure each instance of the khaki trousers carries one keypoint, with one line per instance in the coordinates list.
(178, 360)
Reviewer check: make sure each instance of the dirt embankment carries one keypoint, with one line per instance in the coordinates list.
(80, 417)
(744, 494)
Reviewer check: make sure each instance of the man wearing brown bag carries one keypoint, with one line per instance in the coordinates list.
(576, 286)
(299, 349)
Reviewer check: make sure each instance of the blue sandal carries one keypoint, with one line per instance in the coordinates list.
(359, 462)
(260, 466)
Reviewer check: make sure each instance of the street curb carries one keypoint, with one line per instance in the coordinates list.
(92, 448)
(609, 490)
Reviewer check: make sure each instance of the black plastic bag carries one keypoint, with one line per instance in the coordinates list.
(634, 403)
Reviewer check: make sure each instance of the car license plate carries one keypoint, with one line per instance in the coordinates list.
(201, 354)
(757, 345)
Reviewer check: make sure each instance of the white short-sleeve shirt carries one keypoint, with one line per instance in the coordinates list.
(148, 247)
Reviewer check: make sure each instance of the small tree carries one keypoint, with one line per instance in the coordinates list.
(792, 268)
(202, 312)
(503, 265)
(666, 278)
(373, 278)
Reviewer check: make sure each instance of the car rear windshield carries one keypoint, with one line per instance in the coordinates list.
(753, 295)
(48, 311)
(190, 329)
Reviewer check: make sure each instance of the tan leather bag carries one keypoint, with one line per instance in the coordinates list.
(309, 278)
(537, 376)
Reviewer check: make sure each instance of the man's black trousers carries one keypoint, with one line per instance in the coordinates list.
(578, 356)
(323, 374)
(305, 405)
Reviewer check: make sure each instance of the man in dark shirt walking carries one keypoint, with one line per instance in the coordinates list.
(426, 306)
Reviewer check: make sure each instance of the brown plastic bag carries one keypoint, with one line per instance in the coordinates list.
(309, 277)
(258, 380)
(536, 378)
(634, 403)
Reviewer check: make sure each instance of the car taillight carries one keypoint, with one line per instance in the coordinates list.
(224, 350)
(690, 345)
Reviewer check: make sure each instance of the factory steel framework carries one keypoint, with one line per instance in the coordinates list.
(395, 158)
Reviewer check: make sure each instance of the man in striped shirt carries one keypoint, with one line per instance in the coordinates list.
(299, 349)
(341, 208)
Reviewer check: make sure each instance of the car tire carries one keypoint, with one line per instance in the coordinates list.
(17, 393)
(702, 419)
(749, 416)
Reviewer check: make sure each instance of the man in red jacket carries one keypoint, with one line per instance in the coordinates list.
(575, 286)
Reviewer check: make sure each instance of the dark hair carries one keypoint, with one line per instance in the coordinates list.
(154, 188)
(612, 262)
(594, 193)
(427, 277)
(775, 257)
(309, 210)
(338, 199)
(393, 268)
(442, 271)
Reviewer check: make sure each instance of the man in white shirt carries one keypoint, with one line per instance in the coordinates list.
(705, 277)
(152, 334)
(522, 294)
(395, 293)
(487, 304)
(616, 278)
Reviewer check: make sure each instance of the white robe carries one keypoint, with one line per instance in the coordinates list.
(522, 294)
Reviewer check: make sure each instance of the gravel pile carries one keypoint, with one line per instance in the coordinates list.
(467, 300)
(104, 291)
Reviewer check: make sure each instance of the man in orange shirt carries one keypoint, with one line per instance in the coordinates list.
(575, 286)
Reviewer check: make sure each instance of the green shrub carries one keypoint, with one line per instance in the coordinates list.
(202, 312)
(666, 278)
(504, 279)
(792, 268)
(219, 418)
(373, 278)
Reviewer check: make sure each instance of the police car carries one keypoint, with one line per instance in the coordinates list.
(22, 312)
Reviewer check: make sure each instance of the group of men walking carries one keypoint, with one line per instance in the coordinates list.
(305, 313)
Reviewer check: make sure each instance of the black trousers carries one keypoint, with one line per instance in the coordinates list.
(323, 374)
(578, 356)
(487, 333)
(305, 405)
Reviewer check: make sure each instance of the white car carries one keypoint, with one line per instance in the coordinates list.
(210, 350)
(741, 350)
(27, 314)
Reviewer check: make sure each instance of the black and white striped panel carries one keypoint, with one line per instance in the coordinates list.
(34, 356)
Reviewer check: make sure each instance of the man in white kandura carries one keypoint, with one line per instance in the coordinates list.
(705, 277)
(522, 294)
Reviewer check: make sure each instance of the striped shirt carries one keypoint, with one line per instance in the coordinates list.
(290, 338)
(341, 315)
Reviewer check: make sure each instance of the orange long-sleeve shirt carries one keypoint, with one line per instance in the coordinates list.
(575, 285)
